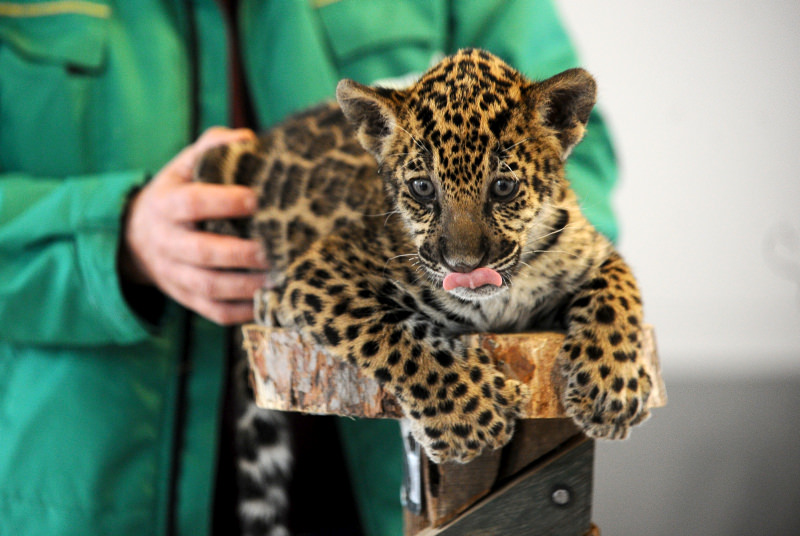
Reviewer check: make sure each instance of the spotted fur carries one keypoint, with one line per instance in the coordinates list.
(367, 204)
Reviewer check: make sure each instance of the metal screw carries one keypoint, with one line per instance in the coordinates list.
(561, 496)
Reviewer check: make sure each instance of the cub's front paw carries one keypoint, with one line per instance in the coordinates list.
(607, 399)
(468, 417)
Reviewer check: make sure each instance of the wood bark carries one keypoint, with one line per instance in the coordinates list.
(290, 375)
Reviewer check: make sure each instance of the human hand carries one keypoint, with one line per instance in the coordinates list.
(162, 247)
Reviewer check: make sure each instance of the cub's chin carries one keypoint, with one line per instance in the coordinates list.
(482, 293)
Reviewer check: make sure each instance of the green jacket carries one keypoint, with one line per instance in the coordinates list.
(108, 423)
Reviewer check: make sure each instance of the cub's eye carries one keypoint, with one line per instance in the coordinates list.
(504, 189)
(422, 189)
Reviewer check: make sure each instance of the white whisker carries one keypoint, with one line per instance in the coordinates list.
(382, 214)
(403, 255)
(386, 264)
(552, 233)
(506, 149)
(415, 140)
(554, 251)
(511, 170)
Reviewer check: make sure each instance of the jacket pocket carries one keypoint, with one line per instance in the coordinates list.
(379, 38)
(53, 56)
(72, 33)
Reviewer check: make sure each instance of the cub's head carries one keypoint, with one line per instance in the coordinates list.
(473, 157)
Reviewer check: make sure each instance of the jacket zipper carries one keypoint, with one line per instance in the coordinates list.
(179, 421)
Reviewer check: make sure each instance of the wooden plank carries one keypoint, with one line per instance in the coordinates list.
(290, 375)
(552, 498)
(413, 523)
(451, 488)
(533, 438)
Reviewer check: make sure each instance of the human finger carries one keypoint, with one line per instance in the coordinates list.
(210, 250)
(202, 201)
(224, 313)
(217, 285)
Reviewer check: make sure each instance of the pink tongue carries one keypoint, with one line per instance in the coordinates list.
(474, 279)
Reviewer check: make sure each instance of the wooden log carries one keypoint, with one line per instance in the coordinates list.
(290, 375)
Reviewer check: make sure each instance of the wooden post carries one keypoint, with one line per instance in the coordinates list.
(552, 498)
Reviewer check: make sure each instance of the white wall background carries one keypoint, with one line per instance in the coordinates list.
(703, 98)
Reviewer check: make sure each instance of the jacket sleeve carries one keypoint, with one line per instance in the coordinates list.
(58, 248)
(529, 35)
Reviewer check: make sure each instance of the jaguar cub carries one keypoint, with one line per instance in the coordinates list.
(396, 220)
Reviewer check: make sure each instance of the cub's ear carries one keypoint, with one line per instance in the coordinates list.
(372, 111)
(563, 103)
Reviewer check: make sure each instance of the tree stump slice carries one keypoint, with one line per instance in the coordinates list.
(290, 375)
